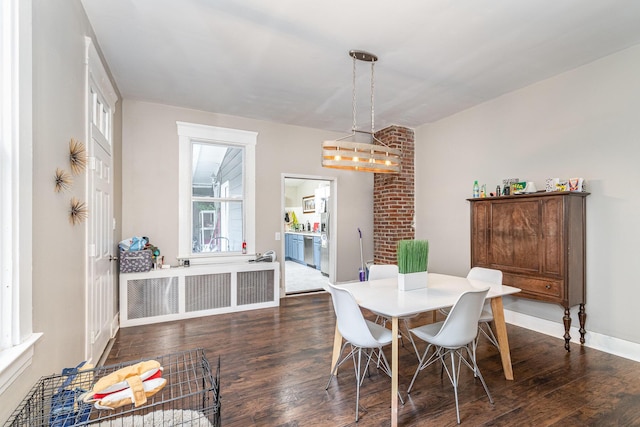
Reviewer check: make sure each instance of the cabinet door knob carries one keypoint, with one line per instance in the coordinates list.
(548, 286)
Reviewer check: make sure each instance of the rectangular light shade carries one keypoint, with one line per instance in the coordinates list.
(361, 157)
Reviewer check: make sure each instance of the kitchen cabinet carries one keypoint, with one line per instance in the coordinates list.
(299, 239)
(294, 247)
(317, 248)
(538, 242)
(288, 246)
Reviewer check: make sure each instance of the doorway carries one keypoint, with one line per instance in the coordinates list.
(101, 302)
(307, 209)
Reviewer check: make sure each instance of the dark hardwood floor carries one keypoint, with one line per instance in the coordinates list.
(275, 364)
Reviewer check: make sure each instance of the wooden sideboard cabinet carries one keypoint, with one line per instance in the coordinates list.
(538, 242)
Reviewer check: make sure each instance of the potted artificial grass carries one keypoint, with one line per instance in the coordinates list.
(413, 260)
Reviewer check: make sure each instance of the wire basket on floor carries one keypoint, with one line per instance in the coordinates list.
(191, 397)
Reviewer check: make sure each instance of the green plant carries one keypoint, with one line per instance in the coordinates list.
(413, 256)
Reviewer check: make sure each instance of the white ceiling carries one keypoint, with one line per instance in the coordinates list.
(287, 61)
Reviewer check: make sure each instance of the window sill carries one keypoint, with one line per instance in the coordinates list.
(14, 360)
(207, 259)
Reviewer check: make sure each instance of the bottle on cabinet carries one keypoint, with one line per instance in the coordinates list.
(476, 189)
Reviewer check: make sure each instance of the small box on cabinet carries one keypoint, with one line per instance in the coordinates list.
(136, 261)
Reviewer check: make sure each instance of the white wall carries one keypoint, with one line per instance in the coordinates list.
(150, 180)
(59, 28)
(293, 200)
(583, 123)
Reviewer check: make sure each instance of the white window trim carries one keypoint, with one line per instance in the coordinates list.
(188, 132)
(16, 192)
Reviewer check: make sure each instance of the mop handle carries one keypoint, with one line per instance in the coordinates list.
(362, 275)
(361, 258)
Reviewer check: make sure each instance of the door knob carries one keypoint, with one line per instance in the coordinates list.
(112, 258)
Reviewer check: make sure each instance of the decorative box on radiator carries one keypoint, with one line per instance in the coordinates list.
(203, 290)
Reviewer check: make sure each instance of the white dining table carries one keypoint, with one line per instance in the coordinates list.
(384, 297)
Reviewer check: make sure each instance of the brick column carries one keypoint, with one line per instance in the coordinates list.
(393, 197)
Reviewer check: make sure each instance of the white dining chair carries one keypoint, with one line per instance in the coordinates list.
(382, 271)
(388, 271)
(488, 275)
(364, 336)
(451, 337)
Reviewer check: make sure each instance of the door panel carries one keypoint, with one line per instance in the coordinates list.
(101, 290)
(515, 236)
(480, 229)
(552, 230)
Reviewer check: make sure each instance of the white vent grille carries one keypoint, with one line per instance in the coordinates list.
(207, 291)
(255, 287)
(152, 297)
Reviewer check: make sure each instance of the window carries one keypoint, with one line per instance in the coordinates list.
(217, 192)
(16, 337)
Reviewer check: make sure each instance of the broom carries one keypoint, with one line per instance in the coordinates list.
(361, 272)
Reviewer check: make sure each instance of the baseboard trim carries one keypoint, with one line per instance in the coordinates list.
(608, 344)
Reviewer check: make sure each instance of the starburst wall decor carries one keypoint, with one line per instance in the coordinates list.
(63, 180)
(77, 156)
(77, 212)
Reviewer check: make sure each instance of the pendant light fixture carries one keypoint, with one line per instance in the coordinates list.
(374, 156)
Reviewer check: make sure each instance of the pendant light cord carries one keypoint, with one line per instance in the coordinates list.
(372, 77)
(353, 103)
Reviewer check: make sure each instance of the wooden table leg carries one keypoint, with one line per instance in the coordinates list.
(394, 372)
(566, 319)
(337, 345)
(503, 340)
(582, 317)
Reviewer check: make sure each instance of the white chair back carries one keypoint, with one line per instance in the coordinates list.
(351, 323)
(383, 271)
(461, 325)
(489, 275)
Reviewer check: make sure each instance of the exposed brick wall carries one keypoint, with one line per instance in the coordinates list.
(393, 197)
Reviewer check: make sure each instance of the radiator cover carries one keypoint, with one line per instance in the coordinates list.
(177, 293)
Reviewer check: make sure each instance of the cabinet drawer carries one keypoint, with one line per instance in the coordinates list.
(547, 289)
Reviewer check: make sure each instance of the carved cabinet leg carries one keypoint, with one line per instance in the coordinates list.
(582, 316)
(567, 327)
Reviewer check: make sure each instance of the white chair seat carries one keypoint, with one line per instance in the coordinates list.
(428, 331)
(380, 333)
(486, 316)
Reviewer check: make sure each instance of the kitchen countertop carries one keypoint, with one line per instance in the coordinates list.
(304, 233)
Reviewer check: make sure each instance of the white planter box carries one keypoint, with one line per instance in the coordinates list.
(412, 281)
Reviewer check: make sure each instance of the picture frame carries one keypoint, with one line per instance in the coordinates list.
(308, 204)
(575, 184)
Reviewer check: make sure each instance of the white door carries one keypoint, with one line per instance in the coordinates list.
(101, 306)
(101, 291)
